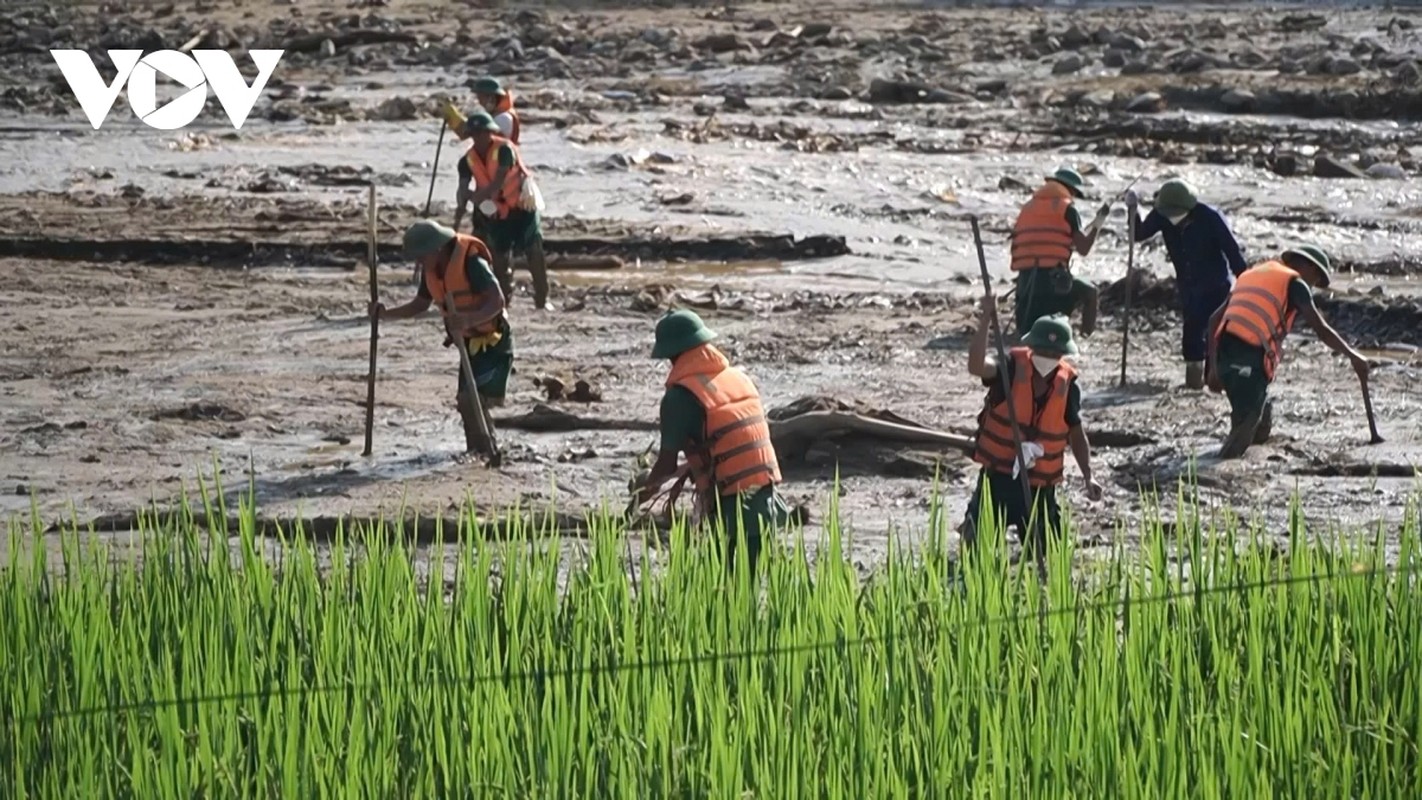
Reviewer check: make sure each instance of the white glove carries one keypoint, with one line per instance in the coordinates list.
(1031, 451)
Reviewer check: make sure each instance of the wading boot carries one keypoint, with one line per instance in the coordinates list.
(1241, 436)
(1266, 424)
(1194, 374)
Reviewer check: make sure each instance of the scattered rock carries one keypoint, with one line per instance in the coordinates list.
(991, 86)
(1329, 167)
(1136, 67)
(1409, 74)
(887, 91)
(1386, 172)
(396, 109)
(723, 43)
(1074, 37)
(1146, 103)
(1343, 66)
(1068, 64)
(735, 102)
(328, 48)
(1126, 42)
(836, 93)
(1114, 58)
(1283, 164)
(198, 412)
(1238, 100)
(1101, 98)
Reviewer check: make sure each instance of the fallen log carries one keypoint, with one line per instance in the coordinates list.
(311, 42)
(795, 435)
(791, 436)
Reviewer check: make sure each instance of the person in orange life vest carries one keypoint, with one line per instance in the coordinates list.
(1046, 233)
(494, 165)
(498, 101)
(1247, 337)
(712, 412)
(458, 264)
(1047, 403)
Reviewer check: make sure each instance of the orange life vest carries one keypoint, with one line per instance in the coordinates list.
(1258, 312)
(505, 105)
(736, 455)
(1043, 423)
(1041, 237)
(455, 280)
(484, 169)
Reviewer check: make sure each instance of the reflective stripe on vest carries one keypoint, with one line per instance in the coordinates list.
(1043, 423)
(1258, 311)
(484, 169)
(455, 279)
(1042, 237)
(505, 106)
(737, 455)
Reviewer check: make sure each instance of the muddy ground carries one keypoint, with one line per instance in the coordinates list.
(800, 175)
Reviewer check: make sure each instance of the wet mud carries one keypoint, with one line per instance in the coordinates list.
(802, 177)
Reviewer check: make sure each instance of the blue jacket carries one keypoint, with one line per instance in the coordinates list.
(1201, 247)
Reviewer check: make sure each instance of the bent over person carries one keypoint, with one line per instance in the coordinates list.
(1248, 339)
(1047, 231)
(456, 265)
(712, 412)
(1046, 401)
(1206, 258)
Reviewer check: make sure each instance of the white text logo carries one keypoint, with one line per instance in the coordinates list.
(196, 72)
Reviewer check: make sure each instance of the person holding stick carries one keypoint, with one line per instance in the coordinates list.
(712, 411)
(1042, 399)
(498, 101)
(1047, 231)
(1206, 258)
(459, 264)
(1247, 339)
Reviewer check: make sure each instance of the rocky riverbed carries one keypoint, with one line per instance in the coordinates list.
(802, 175)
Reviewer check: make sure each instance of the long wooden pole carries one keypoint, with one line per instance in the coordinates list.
(1004, 371)
(371, 258)
(486, 429)
(1130, 275)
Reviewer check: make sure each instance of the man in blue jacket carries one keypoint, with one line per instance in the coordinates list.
(1204, 253)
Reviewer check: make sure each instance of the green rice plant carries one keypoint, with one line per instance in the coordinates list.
(1213, 661)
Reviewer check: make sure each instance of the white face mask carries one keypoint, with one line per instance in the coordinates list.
(1177, 219)
(1044, 365)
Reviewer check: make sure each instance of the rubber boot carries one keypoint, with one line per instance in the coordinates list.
(1266, 423)
(538, 268)
(1241, 436)
(1194, 374)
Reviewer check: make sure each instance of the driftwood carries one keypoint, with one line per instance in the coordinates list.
(310, 43)
(792, 436)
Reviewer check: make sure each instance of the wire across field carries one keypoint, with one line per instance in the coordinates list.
(1206, 666)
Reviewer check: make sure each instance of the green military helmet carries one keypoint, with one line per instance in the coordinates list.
(1175, 196)
(489, 85)
(1069, 178)
(1317, 257)
(480, 121)
(425, 237)
(679, 331)
(1051, 336)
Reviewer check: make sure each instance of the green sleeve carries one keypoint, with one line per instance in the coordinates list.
(682, 419)
(506, 156)
(1073, 218)
(1073, 409)
(1300, 295)
(481, 277)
